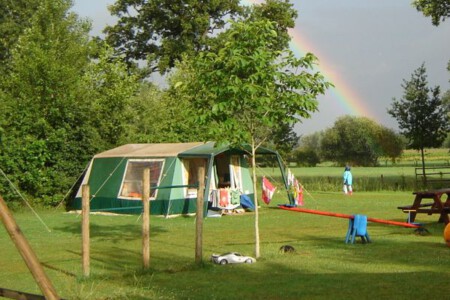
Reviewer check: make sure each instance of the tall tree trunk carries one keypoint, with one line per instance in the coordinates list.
(257, 253)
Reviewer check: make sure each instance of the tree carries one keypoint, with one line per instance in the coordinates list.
(359, 141)
(15, 18)
(279, 11)
(159, 32)
(246, 91)
(51, 100)
(109, 88)
(157, 115)
(307, 154)
(438, 10)
(420, 114)
(42, 119)
(312, 141)
(283, 140)
(391, 143)
(305, 157)
(446, 103)
(351, 140)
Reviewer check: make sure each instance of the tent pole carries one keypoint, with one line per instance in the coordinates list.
(283, 175)
(209, 174)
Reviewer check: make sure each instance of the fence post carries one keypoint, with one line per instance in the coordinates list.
(146, 218)
(199, 215)
(26, 252)
(85, 232)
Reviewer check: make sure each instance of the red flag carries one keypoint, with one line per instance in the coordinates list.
(267, 190)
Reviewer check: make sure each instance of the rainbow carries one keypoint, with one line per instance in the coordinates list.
(342, 93)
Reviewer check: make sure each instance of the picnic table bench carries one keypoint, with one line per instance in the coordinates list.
(438, 206)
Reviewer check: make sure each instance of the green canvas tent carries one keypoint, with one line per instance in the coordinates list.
(115, 177)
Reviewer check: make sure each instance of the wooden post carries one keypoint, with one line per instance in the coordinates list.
(199, 215)
(146, 218)
(85, 210)
(26, 252)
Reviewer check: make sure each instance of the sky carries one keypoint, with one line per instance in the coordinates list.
(365, 48)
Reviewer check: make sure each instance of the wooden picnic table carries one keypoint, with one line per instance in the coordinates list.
(438, 206)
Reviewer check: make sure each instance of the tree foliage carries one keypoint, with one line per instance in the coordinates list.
(305, 157)
(281, 13)
(57, 103)
(157, 115)
(251, 90)
(311, 141)
(446, 103)
(420, 113)
(359, 141)
(159, 32)
(392, 144)
(308, 151)
(15, 18)
(109, 88)
(437, 10)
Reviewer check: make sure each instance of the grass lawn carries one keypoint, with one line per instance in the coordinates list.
(398, 264)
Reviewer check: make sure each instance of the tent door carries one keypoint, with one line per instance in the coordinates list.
(190, 175)
(225, 194)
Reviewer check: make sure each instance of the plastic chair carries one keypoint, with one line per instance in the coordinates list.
(357, 227)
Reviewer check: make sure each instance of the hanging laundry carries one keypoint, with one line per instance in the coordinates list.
(267, 190)
(290, 178)
(298, 194)
(224, 199)
(235, 196)
(295, 188)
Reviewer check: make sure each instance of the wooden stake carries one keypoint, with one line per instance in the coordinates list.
(26, 252)
(85, 249)
(146, 219)
(199, 215)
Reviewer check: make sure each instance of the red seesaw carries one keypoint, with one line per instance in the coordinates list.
(338, 215)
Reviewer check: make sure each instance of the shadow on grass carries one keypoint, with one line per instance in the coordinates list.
(297, 280)
(113, 233)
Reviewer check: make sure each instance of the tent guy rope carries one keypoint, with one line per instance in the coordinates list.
(25, 200)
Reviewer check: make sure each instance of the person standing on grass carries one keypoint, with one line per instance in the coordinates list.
(348, 180)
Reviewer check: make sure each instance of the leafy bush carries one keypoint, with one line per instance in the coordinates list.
(306, 158)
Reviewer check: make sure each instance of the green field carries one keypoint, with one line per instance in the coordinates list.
(365, 178)
(437, 156)
(400, 176)
(398, 264)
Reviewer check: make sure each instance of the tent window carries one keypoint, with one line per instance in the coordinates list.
(132, 182)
